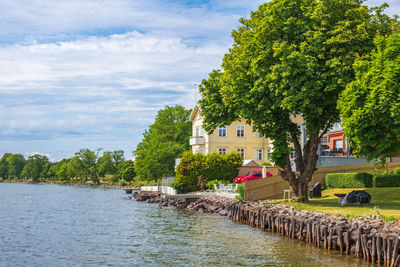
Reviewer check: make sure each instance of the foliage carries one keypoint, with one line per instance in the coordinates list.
(240, 191)
(291, 58)
(16, 163)
(167, 137)
(370, 105)
(212, 167)
(122, 182)
(387, 180)
(348, 180)
(4, 166)
(179, 186)
(84, 164)
(129, 173)
(106, 165)
(35, 167)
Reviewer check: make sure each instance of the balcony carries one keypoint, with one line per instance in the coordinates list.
(197, 140)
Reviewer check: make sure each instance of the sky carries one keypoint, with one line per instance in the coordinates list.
(93, 74)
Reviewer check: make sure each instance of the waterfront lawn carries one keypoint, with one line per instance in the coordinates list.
(386, 202)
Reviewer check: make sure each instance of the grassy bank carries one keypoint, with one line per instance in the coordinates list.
(384, 202)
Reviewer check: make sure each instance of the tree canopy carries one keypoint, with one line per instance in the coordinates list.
(166, 138)
(370, 105)
(291, 57)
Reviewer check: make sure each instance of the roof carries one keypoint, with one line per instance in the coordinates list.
(250, 162)
(194, 112)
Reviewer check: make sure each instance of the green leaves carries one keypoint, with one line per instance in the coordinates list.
(167, 137)
(370, 104)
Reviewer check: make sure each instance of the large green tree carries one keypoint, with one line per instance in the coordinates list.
(16, 163)
(166, 138)
(289, 58)
(84, 164)
(370, 105)
(35, 167)
(4, 166)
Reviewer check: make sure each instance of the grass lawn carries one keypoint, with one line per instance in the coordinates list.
(386, 199)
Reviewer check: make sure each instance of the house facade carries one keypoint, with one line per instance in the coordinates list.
(237, 137)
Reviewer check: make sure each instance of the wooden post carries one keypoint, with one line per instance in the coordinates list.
(379, 242)
(395, 251)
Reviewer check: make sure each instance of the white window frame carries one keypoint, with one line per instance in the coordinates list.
(238, 126)
(242, 152)
(202, 150)
(222, 150)
(196, 150)
(222, 128)
(201, 131)
(197, 131)
(257, 153)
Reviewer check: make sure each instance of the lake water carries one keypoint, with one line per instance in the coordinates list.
(51, 225)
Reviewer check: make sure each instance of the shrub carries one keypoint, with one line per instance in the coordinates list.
(122, 182)
(180, 187)
(396, 171)
(387, 180)
(240, 191)
(348, 180)
(210, 167)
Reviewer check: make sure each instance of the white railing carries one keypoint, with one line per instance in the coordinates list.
(198, 140)
(162, 189)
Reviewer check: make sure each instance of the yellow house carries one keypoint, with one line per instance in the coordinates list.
(237, 137)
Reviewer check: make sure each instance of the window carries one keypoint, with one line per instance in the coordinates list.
(240, 130)
(240, 151)
(339, 143)
(197, 131)
(258, 154)
(268, 152)
(196, 150)
(222, 131)
(202, 150)
(222, 150)
(201, 131)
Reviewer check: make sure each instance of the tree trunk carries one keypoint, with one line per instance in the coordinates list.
(306, 161)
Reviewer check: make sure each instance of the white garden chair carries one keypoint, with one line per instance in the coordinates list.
(222, 188)
(229, 188)
(216, 188)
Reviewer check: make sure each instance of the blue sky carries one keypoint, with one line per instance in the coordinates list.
(93, 74)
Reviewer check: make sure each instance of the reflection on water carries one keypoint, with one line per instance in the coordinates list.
(50, 225)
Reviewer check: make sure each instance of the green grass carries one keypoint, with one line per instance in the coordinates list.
(387, 200)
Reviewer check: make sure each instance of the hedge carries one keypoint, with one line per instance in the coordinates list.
(387, 180)
(348, 180)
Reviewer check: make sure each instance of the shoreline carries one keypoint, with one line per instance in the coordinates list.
(73, 184)
(370, 238)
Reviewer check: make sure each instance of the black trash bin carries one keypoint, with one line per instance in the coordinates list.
(315, 190)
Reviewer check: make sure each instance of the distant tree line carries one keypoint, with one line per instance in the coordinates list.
(86, 165)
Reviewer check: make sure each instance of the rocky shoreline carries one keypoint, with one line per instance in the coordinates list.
(369, 238)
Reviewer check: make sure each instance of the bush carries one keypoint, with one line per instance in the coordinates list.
(210, 167)
(122, 182)
(387, 180)
(240, 191)
(180, 187)
(348, 180)
(396, 171)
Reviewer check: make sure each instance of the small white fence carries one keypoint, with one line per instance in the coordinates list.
(163, 189)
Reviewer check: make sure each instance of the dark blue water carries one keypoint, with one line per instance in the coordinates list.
(51, 225)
